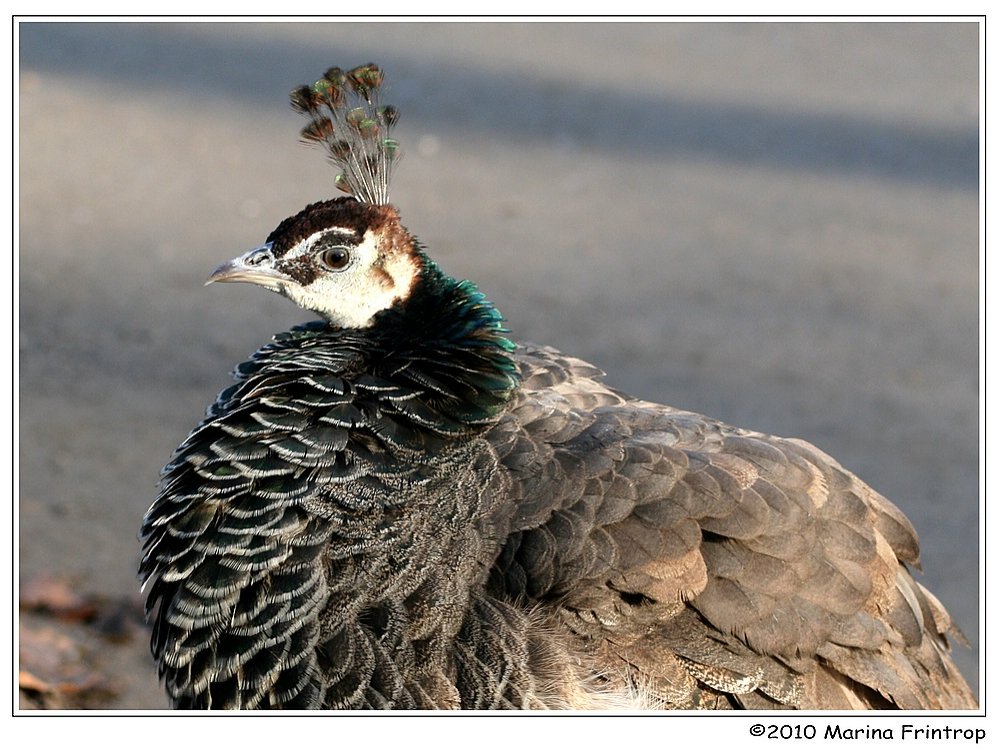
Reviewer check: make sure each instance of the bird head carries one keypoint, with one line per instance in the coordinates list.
(350, 258)
(343, 259)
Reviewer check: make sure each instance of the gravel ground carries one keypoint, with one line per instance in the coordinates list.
(776, 224)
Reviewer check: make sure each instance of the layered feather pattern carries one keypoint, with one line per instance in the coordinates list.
(331, 536)
(713, 566)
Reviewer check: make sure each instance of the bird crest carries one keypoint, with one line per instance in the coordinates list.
(346, 117)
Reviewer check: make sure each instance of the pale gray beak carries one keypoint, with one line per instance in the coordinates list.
(256, 266)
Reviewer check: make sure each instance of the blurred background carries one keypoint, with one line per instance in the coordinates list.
(776, 224)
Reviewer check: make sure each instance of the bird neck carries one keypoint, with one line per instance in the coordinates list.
(449, 341)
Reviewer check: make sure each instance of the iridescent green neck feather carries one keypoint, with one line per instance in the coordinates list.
(446, 343)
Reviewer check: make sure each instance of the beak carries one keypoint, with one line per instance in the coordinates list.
(256, 266)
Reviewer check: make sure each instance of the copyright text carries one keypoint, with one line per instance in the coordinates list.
(903, 732)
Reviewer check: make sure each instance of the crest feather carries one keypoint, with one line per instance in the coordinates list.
(347, 118)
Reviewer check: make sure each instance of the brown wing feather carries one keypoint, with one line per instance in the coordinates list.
(711, 566)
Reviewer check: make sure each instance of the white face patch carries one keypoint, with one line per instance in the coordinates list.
(352, 296)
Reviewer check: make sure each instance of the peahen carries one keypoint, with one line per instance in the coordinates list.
(396, 507)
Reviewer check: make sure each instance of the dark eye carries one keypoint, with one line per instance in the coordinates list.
(336, 257)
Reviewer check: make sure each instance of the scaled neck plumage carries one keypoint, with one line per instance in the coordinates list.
(444, 346)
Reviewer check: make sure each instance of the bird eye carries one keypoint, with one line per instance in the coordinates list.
(336, 257)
